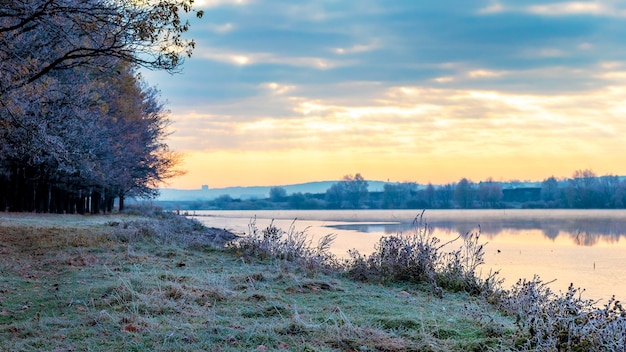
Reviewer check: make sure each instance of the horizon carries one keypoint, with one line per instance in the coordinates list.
(283, 93)
(564, 178)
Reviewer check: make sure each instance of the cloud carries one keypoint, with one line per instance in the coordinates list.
(255, 58)
(603, 8)
(411, 119)
(216, 3)
(384, 79)
(222, 28)
(576, 8)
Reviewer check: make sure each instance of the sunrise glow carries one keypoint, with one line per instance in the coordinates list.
(282, 94)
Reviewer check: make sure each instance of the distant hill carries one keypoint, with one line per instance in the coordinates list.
(255, 192)
(261, 192)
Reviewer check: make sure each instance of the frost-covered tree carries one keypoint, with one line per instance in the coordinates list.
(86, 139)
(77, 125)
(41, 36)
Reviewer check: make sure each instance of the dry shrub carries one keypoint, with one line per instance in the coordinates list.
(458, 269)
(401, 257)
(421, 258)
(291, 245)
(564, 322)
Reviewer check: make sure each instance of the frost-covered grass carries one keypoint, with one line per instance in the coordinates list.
(81, 283)
(147, 283)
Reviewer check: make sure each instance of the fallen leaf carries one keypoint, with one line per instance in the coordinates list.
(130, 328)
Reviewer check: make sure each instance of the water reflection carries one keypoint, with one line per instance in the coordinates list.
(580, 231)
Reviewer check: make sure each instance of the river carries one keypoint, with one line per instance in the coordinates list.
(583, 247)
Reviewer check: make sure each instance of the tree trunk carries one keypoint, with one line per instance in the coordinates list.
(121, 203)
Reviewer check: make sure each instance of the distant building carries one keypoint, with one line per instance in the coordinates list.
(205, 187)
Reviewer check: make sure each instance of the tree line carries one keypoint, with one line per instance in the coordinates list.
(583, 190)
(79, 127)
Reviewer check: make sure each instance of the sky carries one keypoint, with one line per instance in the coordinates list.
(280, 92)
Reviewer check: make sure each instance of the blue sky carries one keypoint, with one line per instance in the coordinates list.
(281, 92)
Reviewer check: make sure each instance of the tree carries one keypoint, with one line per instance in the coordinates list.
(608, 187)
(620, 195)
(77, 126)
(335, 195)
(444, 195)
(224, 201)
(278, 194)
(582, 190)
(350, 192)
(550, 189)
(464, 193)
(297, 201)
(87, 139)
(490, 193)
(41, 36)
(430, 194)
(356, 190)
(395, 195)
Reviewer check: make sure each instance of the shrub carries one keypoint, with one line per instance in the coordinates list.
(400, 258)
(564, 322)
(459, 268)
(291, 245)
(420, 258)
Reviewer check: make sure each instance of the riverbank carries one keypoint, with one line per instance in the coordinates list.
(115, 283)
(583, 247)
(162, 282)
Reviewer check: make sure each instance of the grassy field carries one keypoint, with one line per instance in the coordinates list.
(104, 283)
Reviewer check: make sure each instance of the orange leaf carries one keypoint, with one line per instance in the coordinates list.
(130, 328)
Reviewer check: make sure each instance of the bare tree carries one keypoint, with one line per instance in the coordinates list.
(444, 195)
(40, 36)
(582, 190)
(397, 195)
(278, 194)
(356, 190)
(350, 192)
(550, 189)
(464, 193)
(490, 193)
